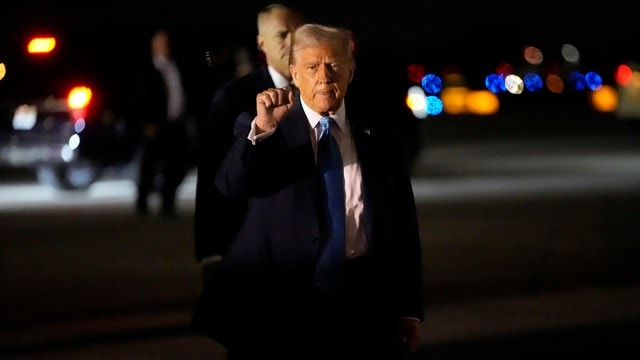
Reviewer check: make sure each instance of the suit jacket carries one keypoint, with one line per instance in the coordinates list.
(149, 96)
(268, 274)
(217, 218)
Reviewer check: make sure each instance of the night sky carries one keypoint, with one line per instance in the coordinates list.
(438, 29)
(472, 37)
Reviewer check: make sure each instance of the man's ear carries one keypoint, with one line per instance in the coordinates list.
(259, 42)
(351, 72)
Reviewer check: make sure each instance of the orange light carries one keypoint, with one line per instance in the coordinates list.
(555, 84)
(605, 99)
(79, 97)
(41, 45)
(454, 99)
(483, 102)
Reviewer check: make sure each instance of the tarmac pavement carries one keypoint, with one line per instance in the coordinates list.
(578, 322)
(541, 261)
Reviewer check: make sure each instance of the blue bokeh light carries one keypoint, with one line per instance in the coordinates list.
(594, 80)
(494, 83)
(432, 83)
(577, 81)
(434, 105)
(533, 82)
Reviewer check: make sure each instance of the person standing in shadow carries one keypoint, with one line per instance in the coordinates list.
(217, 217)
(161, 108)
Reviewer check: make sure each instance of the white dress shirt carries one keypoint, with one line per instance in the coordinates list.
(173, 82)
(279, 81)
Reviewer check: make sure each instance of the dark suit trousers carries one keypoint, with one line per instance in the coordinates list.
(354, 325)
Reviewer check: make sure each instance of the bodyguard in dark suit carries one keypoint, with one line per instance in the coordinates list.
(162, 107)
(265, 300)
(217, 217)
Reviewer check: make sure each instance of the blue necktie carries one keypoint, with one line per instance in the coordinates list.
(331, 262)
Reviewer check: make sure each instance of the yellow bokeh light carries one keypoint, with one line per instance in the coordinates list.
(79, 97)
(41, 45)
(416, 101)
(483, 102)
(454, 100)
(604, 99)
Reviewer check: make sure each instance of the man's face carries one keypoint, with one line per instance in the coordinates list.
(322, 75)
(275, 39)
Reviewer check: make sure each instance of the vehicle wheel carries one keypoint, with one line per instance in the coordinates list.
(74, 176)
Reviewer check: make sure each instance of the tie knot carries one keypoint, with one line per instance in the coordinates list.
(325, 122)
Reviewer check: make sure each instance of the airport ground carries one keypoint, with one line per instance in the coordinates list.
(530, 247)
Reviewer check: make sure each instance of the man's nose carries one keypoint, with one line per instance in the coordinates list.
(325, 73)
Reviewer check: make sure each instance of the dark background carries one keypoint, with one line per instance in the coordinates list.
(471, 37)
(469, 33)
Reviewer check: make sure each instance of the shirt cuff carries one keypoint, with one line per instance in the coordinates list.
(255, 138)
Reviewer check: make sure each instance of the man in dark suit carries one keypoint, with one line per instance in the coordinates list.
(217, 217)
(265, 299)
(161, 104)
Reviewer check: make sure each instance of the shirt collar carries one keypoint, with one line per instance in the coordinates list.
(160, 61)
(279, 81)
(339, 116)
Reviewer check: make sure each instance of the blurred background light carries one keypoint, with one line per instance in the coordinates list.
(593, 79)
(454, 100)
(514, 84)
(533, 55)
(74, 141)
(494, 83)
(504, 68)
(432, 83)
(434, 105)
(79, 97)
(482, 102)
(533, 82)
(623, 75)
(417, 102)
(415, 72)
(570, 53)
(79, 125)
(554, 83)
(577, 81)
(41, 45)
(605, 99)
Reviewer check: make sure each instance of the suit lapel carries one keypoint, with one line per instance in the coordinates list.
(264, 80)
(296, 132)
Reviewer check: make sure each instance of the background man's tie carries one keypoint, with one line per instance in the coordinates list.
(331, 263)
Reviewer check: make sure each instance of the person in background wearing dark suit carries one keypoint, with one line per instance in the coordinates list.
(161, 107)
(217, 218)
(267, 298)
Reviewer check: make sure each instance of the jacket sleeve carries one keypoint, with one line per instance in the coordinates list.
(233, 173)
